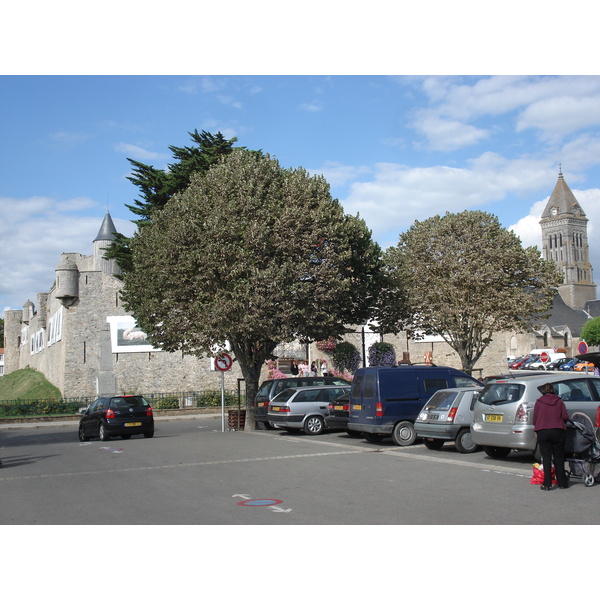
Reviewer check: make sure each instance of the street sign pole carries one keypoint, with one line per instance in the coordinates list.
(223, 362)
(222, 401)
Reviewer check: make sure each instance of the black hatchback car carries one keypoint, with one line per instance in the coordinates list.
(117, 415)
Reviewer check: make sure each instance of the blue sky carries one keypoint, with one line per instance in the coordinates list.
(394, 148)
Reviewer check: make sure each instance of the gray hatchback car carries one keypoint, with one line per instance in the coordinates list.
(503, 414)
(448, 415)
(297, 409)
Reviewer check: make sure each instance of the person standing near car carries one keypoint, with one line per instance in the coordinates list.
(549, 423)
(294, 368)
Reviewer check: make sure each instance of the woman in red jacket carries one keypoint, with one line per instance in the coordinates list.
(549, 418)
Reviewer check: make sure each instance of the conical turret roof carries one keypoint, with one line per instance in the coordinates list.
(562, 202)
(107, 229)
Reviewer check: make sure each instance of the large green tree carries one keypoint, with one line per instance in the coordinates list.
(464, 277)
(157, 186)
(253, 254)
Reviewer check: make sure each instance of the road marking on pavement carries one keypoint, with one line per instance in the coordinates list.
(178, 466)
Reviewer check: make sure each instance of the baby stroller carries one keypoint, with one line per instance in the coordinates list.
(582, 449)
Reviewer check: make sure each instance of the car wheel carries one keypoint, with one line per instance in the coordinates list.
(149, 434)
(314, 425)
(404, 434)
(354, 434)
(496, 452)
(102, 433)
(373, 438)
(464, 442)
(82, 436)
(433, 444)
(588, 480)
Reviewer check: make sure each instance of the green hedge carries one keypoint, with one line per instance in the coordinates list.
(26, 408)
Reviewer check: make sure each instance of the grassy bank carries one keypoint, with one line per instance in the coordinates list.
(26, 384)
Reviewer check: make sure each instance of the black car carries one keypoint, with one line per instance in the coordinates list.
(270, 388)
(117, 415)
(338, 415)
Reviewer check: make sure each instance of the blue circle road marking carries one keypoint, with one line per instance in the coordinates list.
(264, 502)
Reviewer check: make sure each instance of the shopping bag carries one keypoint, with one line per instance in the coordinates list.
(538, 475)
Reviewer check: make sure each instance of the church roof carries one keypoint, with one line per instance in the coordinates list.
(563, 201)
(107, 229)
(562, 315)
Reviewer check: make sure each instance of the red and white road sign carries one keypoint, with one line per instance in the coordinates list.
(545, 357)
(223, 362)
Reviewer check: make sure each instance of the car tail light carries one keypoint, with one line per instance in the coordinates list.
(285, 409)
(346, 407)
(331, 407)
(149, 411)
(110, 413)
(452, 413)
(522, 412)
(378, 409)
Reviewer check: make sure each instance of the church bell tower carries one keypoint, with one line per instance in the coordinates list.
(565, 242)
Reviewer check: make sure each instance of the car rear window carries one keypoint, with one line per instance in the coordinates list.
(128, 401)
(442, 400)
(502, 393)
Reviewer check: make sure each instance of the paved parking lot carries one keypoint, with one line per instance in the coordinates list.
(193, 473)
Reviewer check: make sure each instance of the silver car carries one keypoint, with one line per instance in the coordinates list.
(297, 409)
(503, 413)
(448, 415)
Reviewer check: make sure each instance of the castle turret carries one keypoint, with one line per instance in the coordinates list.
(103, 240)
(67, 279)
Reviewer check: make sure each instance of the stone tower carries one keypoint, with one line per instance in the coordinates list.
(565, 241)
(103, 240)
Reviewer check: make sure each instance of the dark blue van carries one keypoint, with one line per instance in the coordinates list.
(387, 400)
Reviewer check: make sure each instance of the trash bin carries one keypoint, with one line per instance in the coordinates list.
(236, 418)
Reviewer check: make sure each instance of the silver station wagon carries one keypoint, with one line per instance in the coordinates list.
(297, 409)
(503, 413)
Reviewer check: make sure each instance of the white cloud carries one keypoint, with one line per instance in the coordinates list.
(553, 106)
(138, 153)
(446, 134)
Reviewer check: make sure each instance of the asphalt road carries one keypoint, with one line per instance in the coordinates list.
(192, 473)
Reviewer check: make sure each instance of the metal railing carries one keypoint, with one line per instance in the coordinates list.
(158, 401)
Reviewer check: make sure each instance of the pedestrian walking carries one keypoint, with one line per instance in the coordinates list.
(549, 423)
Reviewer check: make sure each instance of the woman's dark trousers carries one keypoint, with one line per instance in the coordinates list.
(552, 449)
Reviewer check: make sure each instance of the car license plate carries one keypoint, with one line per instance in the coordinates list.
(496, 418)
(434, 417)
(260, 404)
(275, 408)
(132, 424)
(356, 407)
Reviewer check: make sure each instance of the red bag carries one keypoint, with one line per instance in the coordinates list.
(538, 475)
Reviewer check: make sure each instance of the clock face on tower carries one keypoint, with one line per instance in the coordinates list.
(554, 211)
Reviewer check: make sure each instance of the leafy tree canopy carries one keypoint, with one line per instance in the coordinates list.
(157, 186)
(253, 254)
(464, 277)
(591, 332)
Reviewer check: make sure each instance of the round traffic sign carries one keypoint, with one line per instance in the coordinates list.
(583, 348)
(545, 357)
(223, 362)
